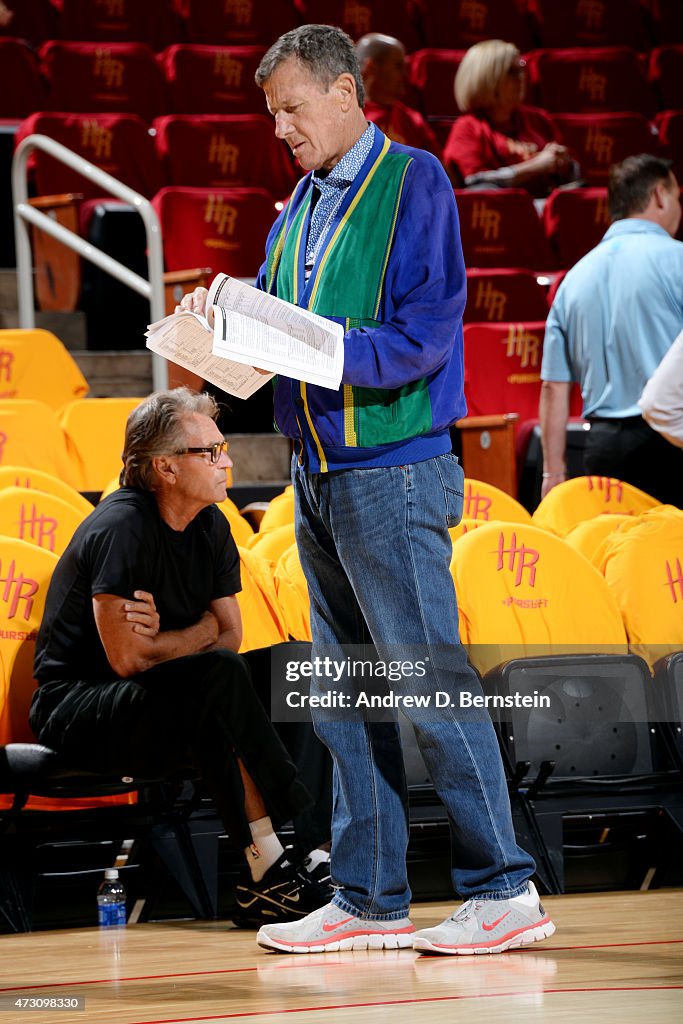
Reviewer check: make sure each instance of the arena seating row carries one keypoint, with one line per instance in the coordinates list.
(637, 23)
(205, 79)
(239, 149)
(564, 81)
(49, 425)
(633, 542)
(222, 219)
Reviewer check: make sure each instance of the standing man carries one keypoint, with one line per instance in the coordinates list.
(615, 315)
(662, 397)
(382, 62)
(370, 239)
(136, 655)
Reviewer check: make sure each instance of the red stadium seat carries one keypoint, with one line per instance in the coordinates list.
(21, 86)
(670, 126)
(118, 143)
(666, 18)
(214, 79)
(357, 17)
(122, 78)
(255, 23)
(504, 294)
(589, 81)
(225, 229)
(33, 20)
(150, 21)
(588, 23)
(503, 368)
(575, 220)
(665, 73)
(600, 140)
(461, 23)
(500, 228)
(431, 73)
(224, 151)
(503, 375)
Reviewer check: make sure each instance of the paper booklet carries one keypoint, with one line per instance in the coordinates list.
(257, 328)
(251, 329)
(187, 339)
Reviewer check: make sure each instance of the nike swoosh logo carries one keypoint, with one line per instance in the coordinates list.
(291, 897)
(327, 927)
(494, 924)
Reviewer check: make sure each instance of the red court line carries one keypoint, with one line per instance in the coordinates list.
(601, 945)
(406, 1002)
(133, 977)
(323, 963)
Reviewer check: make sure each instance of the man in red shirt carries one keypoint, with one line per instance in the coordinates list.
(382, 61)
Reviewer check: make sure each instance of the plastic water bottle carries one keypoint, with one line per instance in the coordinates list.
(111, 901)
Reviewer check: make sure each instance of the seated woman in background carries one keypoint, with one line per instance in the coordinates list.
(497, 142)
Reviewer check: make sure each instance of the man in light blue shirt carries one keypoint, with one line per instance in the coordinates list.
(614, 317)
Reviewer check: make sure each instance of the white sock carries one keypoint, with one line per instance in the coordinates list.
(527, 899)
(265, 849)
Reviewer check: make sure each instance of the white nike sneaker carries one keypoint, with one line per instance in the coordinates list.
(330, 929)
(488, 926)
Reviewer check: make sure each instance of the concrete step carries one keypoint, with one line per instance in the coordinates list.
(116, 374)
(70, 328)
(260, 459)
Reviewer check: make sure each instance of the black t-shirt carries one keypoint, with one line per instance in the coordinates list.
(123, 546)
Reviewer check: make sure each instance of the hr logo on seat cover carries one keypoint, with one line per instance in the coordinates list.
(18, 592)
(520, 559)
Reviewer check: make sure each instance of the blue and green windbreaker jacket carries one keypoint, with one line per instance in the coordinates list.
(390, 270)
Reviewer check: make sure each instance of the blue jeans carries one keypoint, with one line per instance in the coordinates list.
(375, 549)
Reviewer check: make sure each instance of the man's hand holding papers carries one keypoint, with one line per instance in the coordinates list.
(186, 338)
(249, 327)
(255, 327)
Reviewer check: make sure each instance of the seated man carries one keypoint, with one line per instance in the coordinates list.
(382, 61)
(136, 655)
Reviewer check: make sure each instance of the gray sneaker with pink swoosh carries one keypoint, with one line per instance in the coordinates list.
(330, 929)
(488, 926)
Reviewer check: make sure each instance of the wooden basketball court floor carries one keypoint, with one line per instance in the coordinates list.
(616, 958)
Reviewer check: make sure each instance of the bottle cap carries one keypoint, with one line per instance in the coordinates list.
(111, 873)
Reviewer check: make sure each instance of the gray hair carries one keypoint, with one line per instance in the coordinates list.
(157, 427)
(325, 51)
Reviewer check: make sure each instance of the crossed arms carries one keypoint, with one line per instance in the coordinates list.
(130, 634)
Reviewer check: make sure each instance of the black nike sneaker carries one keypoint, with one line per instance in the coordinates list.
(285, 893)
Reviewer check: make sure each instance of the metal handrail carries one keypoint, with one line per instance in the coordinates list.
(152, 288)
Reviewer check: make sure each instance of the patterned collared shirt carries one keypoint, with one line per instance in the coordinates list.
(333, 188)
